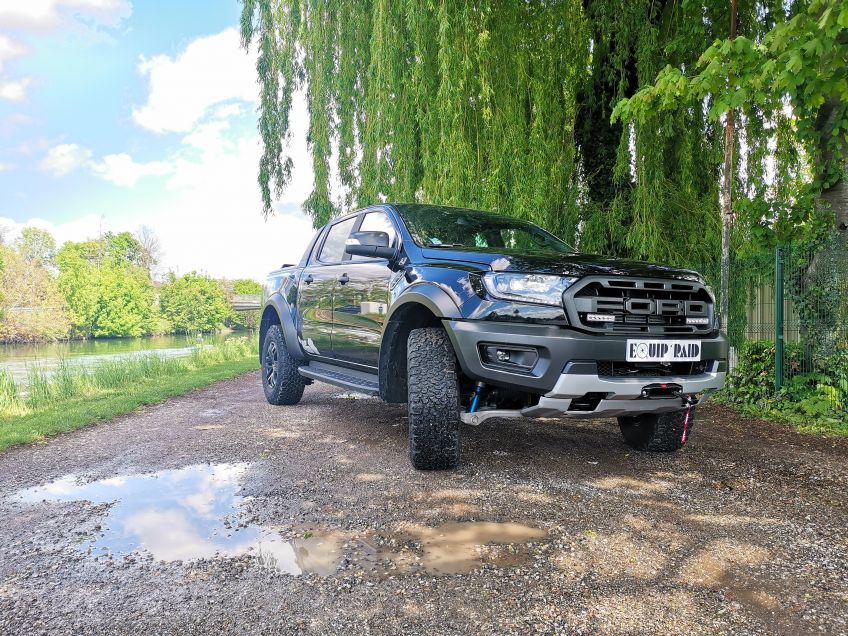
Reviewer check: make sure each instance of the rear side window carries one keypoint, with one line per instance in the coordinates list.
(334, 245)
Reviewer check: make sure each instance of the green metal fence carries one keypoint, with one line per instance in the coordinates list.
(796, 299)
(814, 294)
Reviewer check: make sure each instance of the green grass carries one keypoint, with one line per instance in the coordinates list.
(73, 397)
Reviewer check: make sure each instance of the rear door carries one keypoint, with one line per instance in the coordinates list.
(317, 286)
(362, 297)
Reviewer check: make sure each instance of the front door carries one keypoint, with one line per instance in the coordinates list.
(318, 283)
(361, 299)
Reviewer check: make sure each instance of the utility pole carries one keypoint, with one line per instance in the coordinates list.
(726, 192)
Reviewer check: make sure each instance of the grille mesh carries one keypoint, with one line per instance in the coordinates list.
(639, 306)
(612, 369)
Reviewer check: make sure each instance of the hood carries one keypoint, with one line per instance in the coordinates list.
(575, 264)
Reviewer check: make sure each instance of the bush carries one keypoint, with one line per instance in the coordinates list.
(816, 400)
(194, 303)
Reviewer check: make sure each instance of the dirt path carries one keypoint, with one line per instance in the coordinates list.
(320, 526)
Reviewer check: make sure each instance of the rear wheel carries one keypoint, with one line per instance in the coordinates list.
(433, 400)
(657, 432)
(280, 379)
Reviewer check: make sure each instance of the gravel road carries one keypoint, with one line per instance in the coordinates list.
(216, 512)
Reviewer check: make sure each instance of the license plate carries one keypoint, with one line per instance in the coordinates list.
(663, 350)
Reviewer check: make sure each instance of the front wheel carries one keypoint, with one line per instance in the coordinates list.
(433, 400)
(280, 379)
(657, 432)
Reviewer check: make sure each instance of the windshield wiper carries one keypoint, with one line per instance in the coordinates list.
(446, 245)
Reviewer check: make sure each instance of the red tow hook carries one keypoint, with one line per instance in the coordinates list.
(689, 401)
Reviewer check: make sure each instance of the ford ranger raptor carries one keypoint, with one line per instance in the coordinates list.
(466, 315)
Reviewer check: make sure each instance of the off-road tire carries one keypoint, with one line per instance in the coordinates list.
(658, 433)
(280, 379)
(433, 400)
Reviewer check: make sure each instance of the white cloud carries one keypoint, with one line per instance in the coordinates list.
(208, 218)
(210, 71)
(9, 49)
(207, 215)
(6, 166)
(64, 159)
(42, 15)
(122, 170)
(14, 90)
(80, 229)
(39, 16)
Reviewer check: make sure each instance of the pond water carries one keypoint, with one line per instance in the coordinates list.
(17, 358)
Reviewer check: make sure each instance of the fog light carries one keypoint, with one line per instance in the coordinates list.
(509, 357)
(600, 318)
(697, 321)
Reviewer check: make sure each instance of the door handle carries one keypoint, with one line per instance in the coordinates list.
(343, 279)
(308, 279)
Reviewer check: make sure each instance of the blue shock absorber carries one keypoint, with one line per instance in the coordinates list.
(476, 397)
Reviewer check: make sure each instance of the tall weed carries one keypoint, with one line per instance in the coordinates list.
(70, 381)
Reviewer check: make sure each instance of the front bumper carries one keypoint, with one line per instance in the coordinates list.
(567, 371)
(623, 395)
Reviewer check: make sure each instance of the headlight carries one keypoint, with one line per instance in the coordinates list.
(527, 288)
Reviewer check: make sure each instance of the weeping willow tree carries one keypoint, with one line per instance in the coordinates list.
(506, 106)
(450, 102)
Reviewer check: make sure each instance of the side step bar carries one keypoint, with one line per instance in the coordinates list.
(351, 379)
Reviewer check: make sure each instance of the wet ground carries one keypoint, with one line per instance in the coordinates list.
(217, 512)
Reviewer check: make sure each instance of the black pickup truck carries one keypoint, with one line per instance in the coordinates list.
(466, 315)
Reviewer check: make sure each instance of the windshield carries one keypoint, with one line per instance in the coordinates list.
(440, 227)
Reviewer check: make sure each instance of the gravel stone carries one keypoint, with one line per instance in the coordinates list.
(741, 532)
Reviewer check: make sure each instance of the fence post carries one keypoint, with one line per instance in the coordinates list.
(778, 318)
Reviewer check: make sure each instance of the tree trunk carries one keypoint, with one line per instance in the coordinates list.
(835, 195)
(727, 196)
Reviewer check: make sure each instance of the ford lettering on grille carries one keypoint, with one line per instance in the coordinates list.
(646, 306)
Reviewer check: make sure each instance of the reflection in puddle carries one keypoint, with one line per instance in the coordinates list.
(353, 395)
(193, 513)
(186, 514)
(456, 548)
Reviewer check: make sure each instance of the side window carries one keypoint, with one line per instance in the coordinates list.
(377, 222)
(334, 244)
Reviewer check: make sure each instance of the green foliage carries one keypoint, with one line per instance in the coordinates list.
(71, 381)
(506, 106)
(815, 400)
(102, 289)
(800, 62)
(38, 245)
(125, 303)
(11, 402)
(107, 289)
(194, 303)
(31, 305)
(77, 396)
(453, 103)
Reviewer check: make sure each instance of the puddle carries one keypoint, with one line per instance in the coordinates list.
(457, 548)
(193, 513)
(353, 395)
(186, 514)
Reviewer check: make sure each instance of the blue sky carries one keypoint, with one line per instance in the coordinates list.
(116, 114)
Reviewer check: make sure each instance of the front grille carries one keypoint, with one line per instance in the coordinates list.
(639, 306)
(609, 369)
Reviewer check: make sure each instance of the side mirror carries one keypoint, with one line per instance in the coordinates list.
(371, 245)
